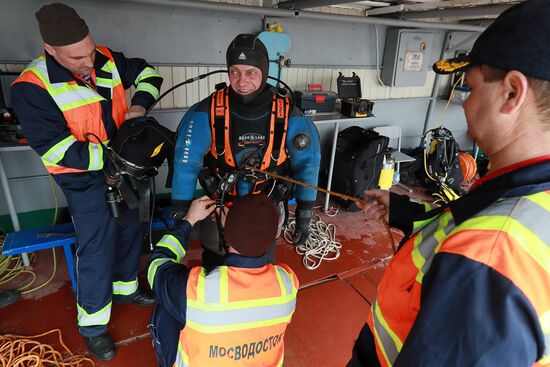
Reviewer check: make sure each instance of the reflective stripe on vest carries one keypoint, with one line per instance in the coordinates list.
(70, 98)
(65, 95)
(100, 317)
(225, 323)
(512, 228)
(214, 314)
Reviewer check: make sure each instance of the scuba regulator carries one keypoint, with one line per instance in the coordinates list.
(441, 164)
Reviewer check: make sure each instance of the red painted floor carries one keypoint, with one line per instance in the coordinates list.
(333, 301)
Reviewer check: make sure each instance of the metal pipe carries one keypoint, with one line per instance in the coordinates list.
(478, 11)
(305, 4)
(435, 90)
(11, 207)
(284, 13)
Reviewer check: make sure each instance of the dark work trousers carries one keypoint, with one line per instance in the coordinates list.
(211, 254)
(106, 251)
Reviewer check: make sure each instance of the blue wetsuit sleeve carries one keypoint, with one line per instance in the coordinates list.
(471, 315)
(305, 161)
(192, 143)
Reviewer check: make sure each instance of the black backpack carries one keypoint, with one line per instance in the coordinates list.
(358, 161)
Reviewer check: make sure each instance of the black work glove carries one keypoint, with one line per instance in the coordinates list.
(180, 208)
(304, 212)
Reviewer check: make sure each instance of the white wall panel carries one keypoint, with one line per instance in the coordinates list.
(166, 73)
(180, 99)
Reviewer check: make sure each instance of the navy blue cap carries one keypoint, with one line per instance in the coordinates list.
(519, 39)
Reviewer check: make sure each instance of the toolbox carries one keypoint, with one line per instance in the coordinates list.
(315, 98)
(349, 90)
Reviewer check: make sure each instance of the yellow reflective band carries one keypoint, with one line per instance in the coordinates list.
(201, 289)
(541, 198)
(224, 285)
(417, 257)
(281, 283)
(182, 359)
(423, 223)
(57, 152)
(237, 327)
(109, 66)
(383, 323)
(100, 317)
(146, 87)
(440, 233)
(200, 305)
(148, 72)
(104, 82)
(284, 276)
(125, 288)
(95, 152)
(173, 244)
(152, 271)
(42, 77)
(544, 360)
(395, 338)
(381, 345)
(532, 244)
(545, 322)
(81, 103)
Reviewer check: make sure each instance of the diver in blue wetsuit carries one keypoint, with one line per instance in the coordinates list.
(252, 123)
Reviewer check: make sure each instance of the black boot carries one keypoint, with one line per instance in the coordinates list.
(139, 299)
(101, 346)
(8, 297)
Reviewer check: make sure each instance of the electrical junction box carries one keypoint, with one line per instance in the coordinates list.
(406, 57)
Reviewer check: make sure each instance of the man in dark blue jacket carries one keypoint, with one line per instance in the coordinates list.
(248, 123)
(470, 284)
(67, 100)
(235, 313)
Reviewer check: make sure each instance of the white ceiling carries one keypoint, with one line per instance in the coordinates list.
(423, 10)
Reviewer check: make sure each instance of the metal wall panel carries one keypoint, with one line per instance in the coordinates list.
(160, 34)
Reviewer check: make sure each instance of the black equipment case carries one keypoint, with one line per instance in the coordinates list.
(358, 162)
(315, 98)
(349, 90)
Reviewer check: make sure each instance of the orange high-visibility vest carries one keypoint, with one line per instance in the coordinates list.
(81, 108)
(275, 155)
(237, 316)
(506, 240)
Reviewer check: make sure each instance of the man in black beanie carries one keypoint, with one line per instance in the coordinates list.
(247, 123)
(68, 99)
(233, 314)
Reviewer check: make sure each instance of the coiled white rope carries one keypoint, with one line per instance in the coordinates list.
(320, 245)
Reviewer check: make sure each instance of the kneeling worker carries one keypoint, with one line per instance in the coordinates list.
(235, 314)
